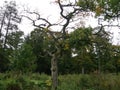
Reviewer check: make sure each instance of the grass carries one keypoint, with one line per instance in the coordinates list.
(89, 82)
(35, 81)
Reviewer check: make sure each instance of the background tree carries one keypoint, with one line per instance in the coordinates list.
(25, 60)
(102, 48)
(81, 43)
(9, 20)
(92, 49)
(68, 17)
(38, 41)
(116, 58)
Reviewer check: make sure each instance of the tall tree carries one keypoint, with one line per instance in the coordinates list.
(39, 41)
(77, 8)
(9, 20)
(58, 38)
(25, 60)
(82, 42)
(116, 58)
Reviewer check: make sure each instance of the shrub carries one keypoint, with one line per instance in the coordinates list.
(12, 81)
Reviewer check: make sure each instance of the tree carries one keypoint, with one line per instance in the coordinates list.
(9, 20)
(58, 38)
(105, 10)
(4, 62)
(15, 39)
(92, 49)
(38, 41)
(25, 60)
(81, 43)
(109, 8)
(116, 58)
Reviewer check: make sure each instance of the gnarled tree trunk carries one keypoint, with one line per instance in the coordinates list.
(54, 72)
(54, 68)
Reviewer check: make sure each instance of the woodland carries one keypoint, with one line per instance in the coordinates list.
(74, 57)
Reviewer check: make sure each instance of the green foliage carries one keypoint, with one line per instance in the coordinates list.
(9, 18)
(81, 37)
(87, 4)
(88, 82)
(93, 51)
(10, 36)
(17, 81)
(89, 50)
(107, 8)
(114, 5)
(24, 60)
(81, 41)
(32, 81)
(39, 41)
(4, 61)
(15, 39)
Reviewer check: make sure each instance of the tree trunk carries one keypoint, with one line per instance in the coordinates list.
(7, 29)
(2, 23)
(99, 66)
(54, 72)
(83, 70)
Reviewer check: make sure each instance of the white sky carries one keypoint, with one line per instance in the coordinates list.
(51, 11)
(47, 9)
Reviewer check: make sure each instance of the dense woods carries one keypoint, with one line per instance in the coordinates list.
(74, 49)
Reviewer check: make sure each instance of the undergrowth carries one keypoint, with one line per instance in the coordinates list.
(36, 81)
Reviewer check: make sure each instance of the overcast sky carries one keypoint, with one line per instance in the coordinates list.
(51, 11)
(47, 9)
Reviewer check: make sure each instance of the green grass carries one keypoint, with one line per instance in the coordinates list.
(89, 82)
(35, 81)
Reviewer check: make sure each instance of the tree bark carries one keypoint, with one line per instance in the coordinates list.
(83, 70)
(2, 23)
(54, 72)
(54, 67)
(7, 29)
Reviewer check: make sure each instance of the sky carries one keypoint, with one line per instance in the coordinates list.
(48, 9)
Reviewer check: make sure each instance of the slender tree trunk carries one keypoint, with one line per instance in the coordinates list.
(99, 66)
(7, 29)
(116, 66)
(83, 70)
(2, 23)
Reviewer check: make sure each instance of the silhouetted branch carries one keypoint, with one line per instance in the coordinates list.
(67, 17)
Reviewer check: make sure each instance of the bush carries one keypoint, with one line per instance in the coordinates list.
(32, 81)
(12, 81)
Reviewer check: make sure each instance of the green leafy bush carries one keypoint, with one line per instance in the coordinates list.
(36, 81)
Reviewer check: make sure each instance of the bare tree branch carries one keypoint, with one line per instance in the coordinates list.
(67, 17)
